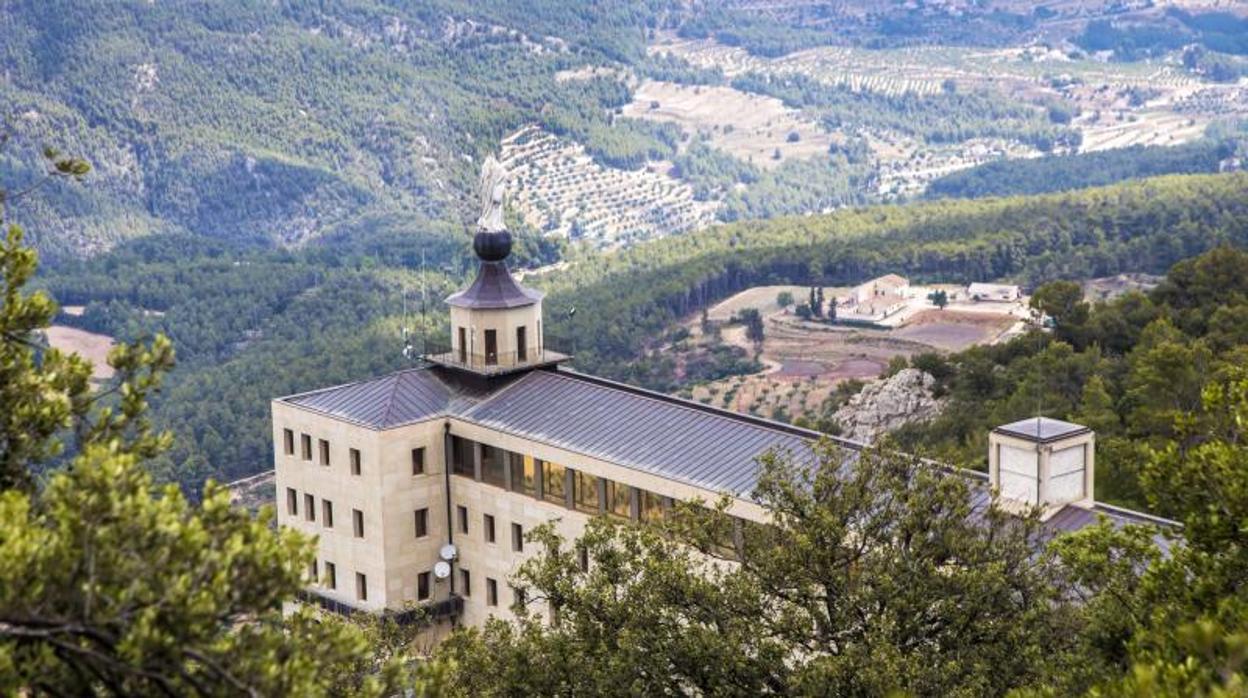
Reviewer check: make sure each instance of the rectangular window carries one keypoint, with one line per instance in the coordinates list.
(355, 461)
(465, 582)
(463, 346)
(463, 518)
(554, 487)
(418, 461)
(422, 523)
(492, 466)
(491, 347)
(327, 513)
(519, 596)
(491, 592)
(292, 502)
(305, 444)
(288, 442)
(312, 571)
(422, 586)
(461, 456)
(651, 506)
(585, 491)
(331, 576)
(309, 507)
(361, 586)
(489, 528)
(517, 538)
(522, 344)
(619, 500)
(324, 446)
(523, 473)
(357, 519)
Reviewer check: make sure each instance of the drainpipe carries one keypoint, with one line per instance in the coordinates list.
(446, 474)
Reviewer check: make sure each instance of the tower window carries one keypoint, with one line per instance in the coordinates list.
(422, 523)
(288, 442)
(355, 461)
(463, 346)
(418, 461)
(522, 344)
(491, 347)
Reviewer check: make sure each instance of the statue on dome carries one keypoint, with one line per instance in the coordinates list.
(492, 192)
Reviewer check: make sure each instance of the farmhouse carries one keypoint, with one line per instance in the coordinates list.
(994, 292)
(420, 485)
(876, 299)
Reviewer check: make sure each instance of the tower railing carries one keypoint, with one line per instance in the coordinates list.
(443, 353)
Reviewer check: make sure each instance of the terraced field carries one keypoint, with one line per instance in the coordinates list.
(560, 190)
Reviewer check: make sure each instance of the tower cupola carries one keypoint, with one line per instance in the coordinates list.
(496, 323)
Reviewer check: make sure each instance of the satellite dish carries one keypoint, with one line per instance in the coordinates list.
(442, 569)
(448, 552)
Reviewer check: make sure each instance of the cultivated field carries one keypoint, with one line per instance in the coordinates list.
(91, 346)
(559, 189)
(747, 126)
(805, 361)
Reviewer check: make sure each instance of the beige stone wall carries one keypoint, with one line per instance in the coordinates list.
(504, 322)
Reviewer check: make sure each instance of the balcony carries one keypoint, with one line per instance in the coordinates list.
(494, 363)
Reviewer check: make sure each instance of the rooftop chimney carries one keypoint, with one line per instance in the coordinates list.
(1042, 461)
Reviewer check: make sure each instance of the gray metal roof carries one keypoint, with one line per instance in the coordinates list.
(382, 403)
(1041, 429)
(680, 440)
(494, 288)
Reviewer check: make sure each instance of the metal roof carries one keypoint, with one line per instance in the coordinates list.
(683, 441)
(1041, 429)
(494, 288)
(686, 441)
(382, 403)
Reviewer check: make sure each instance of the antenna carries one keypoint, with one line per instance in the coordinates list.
(424, 324)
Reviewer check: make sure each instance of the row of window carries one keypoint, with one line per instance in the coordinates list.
(327, 576)
(553, 482)
(353, 454)
(327, 511)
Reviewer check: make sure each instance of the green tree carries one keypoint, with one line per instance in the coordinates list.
(111, 585)
(1063, 302)
(939, 298)
(1174, 623)
(873, 579)
(784, 299)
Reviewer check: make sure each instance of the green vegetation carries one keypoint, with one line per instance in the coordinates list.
(882, 579)
(111, 585)
(1078, 171)
(1128, 369)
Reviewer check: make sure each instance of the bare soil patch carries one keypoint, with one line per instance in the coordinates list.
(90, 345)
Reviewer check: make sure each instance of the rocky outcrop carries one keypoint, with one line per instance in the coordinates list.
(887, 404)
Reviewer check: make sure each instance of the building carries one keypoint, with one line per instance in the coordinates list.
(876, 299)
(1006, 293)
(422, 484)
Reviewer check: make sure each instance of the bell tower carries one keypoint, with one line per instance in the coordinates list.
(496, 324)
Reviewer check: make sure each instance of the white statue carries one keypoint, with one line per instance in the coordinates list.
(492, 191)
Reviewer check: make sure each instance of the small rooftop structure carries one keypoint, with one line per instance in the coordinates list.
(1042, 462)
(994, 292)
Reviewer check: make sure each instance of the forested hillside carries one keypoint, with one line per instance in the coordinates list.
(250, 326)
(1127, 368)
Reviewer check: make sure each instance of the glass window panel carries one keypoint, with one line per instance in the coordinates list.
(651, 506)
(523, 473)
(619, 501)
(461, 456)
(492, 466)
(554, 487)
(586, 492)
